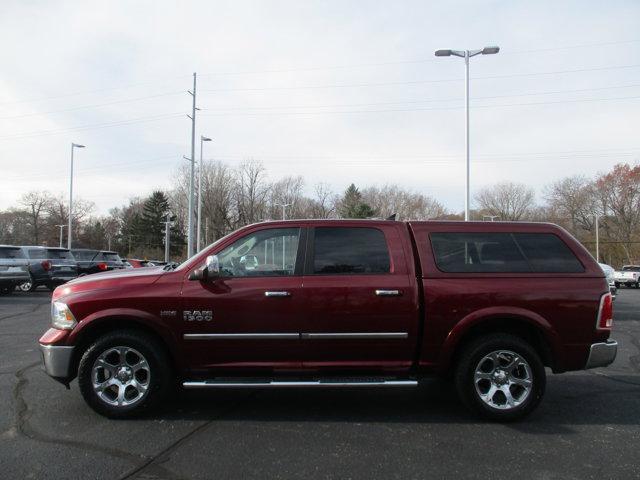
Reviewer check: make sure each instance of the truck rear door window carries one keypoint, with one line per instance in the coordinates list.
(349, 251)
(503, 253)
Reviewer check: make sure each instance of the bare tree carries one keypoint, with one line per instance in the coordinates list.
(218, 185)
(251, 192)
(507, 200)
(286, 191)
(573, 201)
(619, 195)
(390, 199)
(36, 205)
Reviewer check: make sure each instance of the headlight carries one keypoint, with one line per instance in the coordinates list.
(61, 316)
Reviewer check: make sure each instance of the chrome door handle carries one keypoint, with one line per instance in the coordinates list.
(388, 293)
(277, 294)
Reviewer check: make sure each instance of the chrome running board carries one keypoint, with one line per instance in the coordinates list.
(252, 383)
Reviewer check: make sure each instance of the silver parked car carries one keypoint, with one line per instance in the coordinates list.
(14, 268)
(610, 272)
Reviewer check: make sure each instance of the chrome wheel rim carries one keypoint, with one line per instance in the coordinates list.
(503, 379)
(25, 287)
(121, 376)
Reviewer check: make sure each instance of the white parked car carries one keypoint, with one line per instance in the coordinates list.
(629, 276)
(610, 273)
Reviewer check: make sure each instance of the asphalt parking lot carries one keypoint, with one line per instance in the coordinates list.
(588, 425)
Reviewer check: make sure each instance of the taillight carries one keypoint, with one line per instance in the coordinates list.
(46, 264)
(102, 266)
(605, 312)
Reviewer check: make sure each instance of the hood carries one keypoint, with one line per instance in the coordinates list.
(110, 280)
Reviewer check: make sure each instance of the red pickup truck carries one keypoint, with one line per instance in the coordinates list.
(340, 303)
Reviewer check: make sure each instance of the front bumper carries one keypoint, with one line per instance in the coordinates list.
(57, 360)
(602, 354)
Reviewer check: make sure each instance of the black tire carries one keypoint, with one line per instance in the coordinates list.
(617, 284)
(159, 383)
(7, 290)
(29, 286)
(637, 285)
(477, 351)
(51, 286)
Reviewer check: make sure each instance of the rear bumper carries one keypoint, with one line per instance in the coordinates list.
(14, 278)
(602, 354)
(57, 360)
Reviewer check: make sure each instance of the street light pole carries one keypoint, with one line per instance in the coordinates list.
(199, 224)
(73, 145)
(597, 240)
(167, 239)
(61, 227)
(192, 175)
(467, 54)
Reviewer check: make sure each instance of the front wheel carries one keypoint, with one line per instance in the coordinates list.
(501, 377)
(124, 374)
(7, 290)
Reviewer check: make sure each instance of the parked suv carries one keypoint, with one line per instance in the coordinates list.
(95, 261)
(50, 266)
(14, 268)
(341, 303)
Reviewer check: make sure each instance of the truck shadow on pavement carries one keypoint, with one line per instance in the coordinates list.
(570, 400)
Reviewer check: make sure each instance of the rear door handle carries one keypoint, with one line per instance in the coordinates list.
(277, 294)
(388, 293)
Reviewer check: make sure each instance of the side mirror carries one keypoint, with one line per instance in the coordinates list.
(211, 269)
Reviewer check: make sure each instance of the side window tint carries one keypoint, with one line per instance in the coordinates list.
(477, 253)
(547, 253)
(270, 252)
(348, 251)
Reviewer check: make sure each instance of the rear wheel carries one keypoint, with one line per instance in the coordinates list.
(124, 374)
(28, 286)
(501, 377)
(7, 290)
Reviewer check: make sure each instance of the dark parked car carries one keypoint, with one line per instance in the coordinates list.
(50, 266)
(14, 268)
(95, 261)
(341, 303)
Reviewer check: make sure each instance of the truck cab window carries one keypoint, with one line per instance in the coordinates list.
(270, 252)
(349, 251)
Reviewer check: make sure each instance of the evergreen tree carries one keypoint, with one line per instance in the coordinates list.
(352, 205)
(150, 229)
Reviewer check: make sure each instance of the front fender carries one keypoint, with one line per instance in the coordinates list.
(141, 317)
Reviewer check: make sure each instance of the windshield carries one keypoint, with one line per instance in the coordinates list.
(108, 257)
(84, 255)
(217, 242)
(59, 254)
(631, 268)
(11, 252)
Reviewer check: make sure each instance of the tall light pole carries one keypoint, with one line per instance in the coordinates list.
(467, 54)
(167, 238)
(73, 145)
(284, 217)
(191, 177)
(199, 225)
(60, 227)
(597, 239)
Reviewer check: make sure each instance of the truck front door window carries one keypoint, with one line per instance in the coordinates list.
(270, 252)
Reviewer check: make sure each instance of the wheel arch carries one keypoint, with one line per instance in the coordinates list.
(525, 324)
(89, 331)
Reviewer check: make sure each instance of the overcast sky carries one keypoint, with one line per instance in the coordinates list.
(335, 91)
